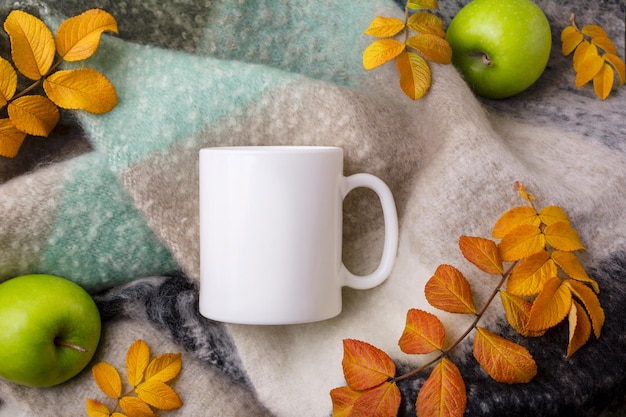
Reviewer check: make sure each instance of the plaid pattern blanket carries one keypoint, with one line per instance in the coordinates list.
(111, 201)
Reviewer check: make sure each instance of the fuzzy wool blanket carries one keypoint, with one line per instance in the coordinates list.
(111, 201)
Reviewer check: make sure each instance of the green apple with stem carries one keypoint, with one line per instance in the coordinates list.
(49, 330)
(501, 47)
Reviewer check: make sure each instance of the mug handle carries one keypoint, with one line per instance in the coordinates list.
(390, 247)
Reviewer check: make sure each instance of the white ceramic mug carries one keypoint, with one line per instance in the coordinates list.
(271, 233)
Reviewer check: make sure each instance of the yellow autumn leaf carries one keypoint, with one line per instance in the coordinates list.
(81, 89)
(517, 312)
(32, 44)
(553, 214)
(569, 263)
(562, 236)
(11, 139)
(551, 305)
(588, 67)
(422, 4)
(380, 52)
(603, 82)
(432, 47)
(108, 379)
(450, 291)
(513, 218)
(384, 27)
(137, 360)
(570, 39)
(591, 302)
(579, 328)
(443, 393)
(581, 52)
(618, 65)
(593, 31)
(424, 22)
(8, 81)
(97, 409)
(521, 242)
(483, 253)
(35, 115)
(158, 395)
(529, 276)
(135, 407)
(503, 360)
(415, 75)
(164, 367)
(605, 44)
(79, 37)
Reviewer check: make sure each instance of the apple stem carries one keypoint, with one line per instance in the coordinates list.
(61, 342)
(486, 60)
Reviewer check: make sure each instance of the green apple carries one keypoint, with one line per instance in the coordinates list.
(49, 329)
(500, 46)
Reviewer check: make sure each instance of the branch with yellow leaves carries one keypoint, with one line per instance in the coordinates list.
(33, 52)
(543, 285)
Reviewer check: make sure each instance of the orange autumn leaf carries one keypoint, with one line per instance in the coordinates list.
(570, 38)
(424, 22)
(78, 37)
(35, 115)
(164, 367)
(563, 237)
(503, 360)
(365, 366)
(588, 66)
(511, 219)
(135, 407)
(380, 52)
(483, 253)
(108, 379)
(603, 82)
(593, 31)
(579, 328)
(158, 395)
(423, 333)
(551, 305)
(81, 89)
(380, 401)
(521, 242)
(529, 276)
(384, 27)
(443, 393)
(605, 44)
(591, 302)
(415, 74)
(11, 138)
(8, 81)
(569, 263)
(32, 44)
(517, 312)
(450, 291)
(432, 47)
(343, 399)
(97, 409)
(137, 359)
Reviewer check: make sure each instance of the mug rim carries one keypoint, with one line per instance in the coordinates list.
(272, 149)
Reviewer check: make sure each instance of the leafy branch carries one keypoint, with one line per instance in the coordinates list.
(589, 63)
(414, 51)
(33, 52)
(148, 379)
(543, 284)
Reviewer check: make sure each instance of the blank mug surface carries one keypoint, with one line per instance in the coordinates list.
(271, 233)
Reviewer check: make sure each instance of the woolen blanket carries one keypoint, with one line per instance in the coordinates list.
(111, 201)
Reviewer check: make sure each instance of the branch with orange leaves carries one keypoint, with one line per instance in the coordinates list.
(545, 283)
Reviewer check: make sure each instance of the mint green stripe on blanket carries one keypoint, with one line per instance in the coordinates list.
(167, 96)
(99, 239)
